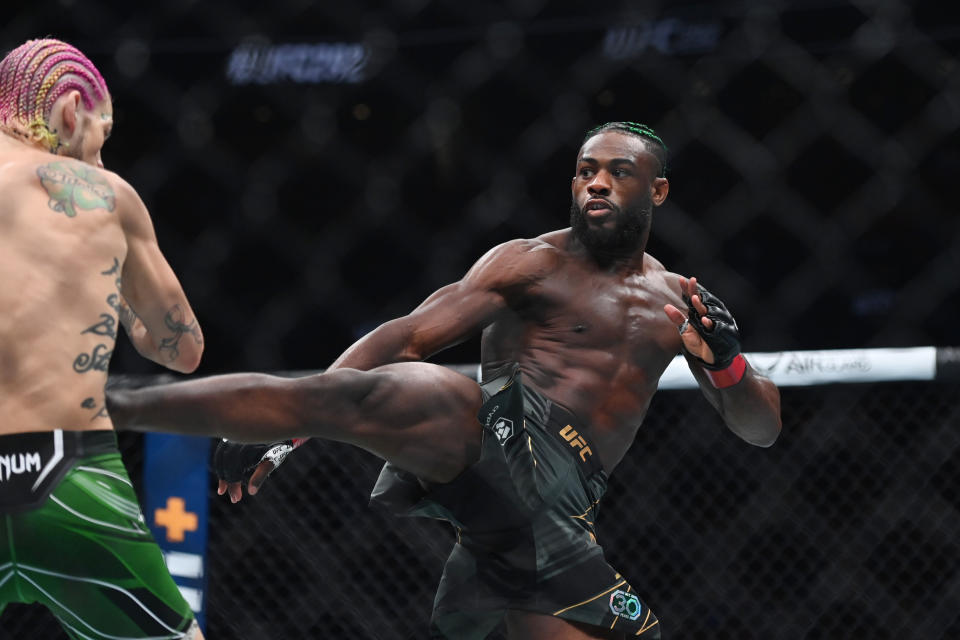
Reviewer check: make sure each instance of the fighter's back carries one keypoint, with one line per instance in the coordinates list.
(61, 252)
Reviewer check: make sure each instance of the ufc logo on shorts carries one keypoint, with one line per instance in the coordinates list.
(576, 441)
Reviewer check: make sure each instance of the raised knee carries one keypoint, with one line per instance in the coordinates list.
(352, 390)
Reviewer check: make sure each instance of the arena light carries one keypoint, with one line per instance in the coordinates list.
(670, 36)
(335, 62)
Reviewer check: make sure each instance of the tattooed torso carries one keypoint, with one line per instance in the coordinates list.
(61, 255)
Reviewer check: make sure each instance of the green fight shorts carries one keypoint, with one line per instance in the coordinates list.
(74, 539)
(524, 514)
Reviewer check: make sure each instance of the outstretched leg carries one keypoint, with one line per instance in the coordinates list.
(421, 417)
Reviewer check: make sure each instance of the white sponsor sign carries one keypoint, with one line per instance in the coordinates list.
(803, 368)
(186, 565)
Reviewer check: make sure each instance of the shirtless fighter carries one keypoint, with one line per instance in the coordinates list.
(78, 257)
(578, 326)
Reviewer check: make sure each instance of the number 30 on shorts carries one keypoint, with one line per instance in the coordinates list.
(625, 605)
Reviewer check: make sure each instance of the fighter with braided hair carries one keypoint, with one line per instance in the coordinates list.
(78, 258)
(577, 327)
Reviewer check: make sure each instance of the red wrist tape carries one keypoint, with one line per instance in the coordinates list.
(299, 441)
(723, 378)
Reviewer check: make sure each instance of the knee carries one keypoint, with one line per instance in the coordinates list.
(351, 390)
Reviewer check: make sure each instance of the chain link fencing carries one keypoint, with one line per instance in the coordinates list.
(316, 168)
(846, 528)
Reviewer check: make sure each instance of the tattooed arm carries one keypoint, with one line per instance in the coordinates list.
(153, 307)
(133, 325)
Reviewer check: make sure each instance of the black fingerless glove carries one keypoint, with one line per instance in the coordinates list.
(233, 461)
(724, 338)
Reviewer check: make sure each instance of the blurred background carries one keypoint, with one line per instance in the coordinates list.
(316, 168)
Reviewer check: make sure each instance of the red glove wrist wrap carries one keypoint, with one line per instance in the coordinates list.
(730, 376)
(298, 441)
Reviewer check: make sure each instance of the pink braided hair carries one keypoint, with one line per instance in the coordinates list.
(33, 76)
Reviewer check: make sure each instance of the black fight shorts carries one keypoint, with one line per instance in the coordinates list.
(524, 514)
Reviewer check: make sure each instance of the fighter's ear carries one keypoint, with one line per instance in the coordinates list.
(71, 103)
(659, 190)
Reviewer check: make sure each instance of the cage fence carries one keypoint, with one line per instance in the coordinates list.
(807, 139)
(845, 528)
(814, 153)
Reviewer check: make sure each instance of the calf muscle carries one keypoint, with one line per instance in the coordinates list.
(247, 407)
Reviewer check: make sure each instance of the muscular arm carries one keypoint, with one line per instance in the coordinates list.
(133, 325)
(449, 316)
(455, 312)
(750, 408)
(158, 319)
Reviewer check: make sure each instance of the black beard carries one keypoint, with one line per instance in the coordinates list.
(606, 245)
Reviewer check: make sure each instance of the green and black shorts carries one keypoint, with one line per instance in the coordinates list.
(525, 514)
(74, 539)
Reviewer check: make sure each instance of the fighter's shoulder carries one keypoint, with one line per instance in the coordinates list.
(61, 175)
(542, 251)
(121, 187)
(663, 280)
(73, 172)
(519, 260)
